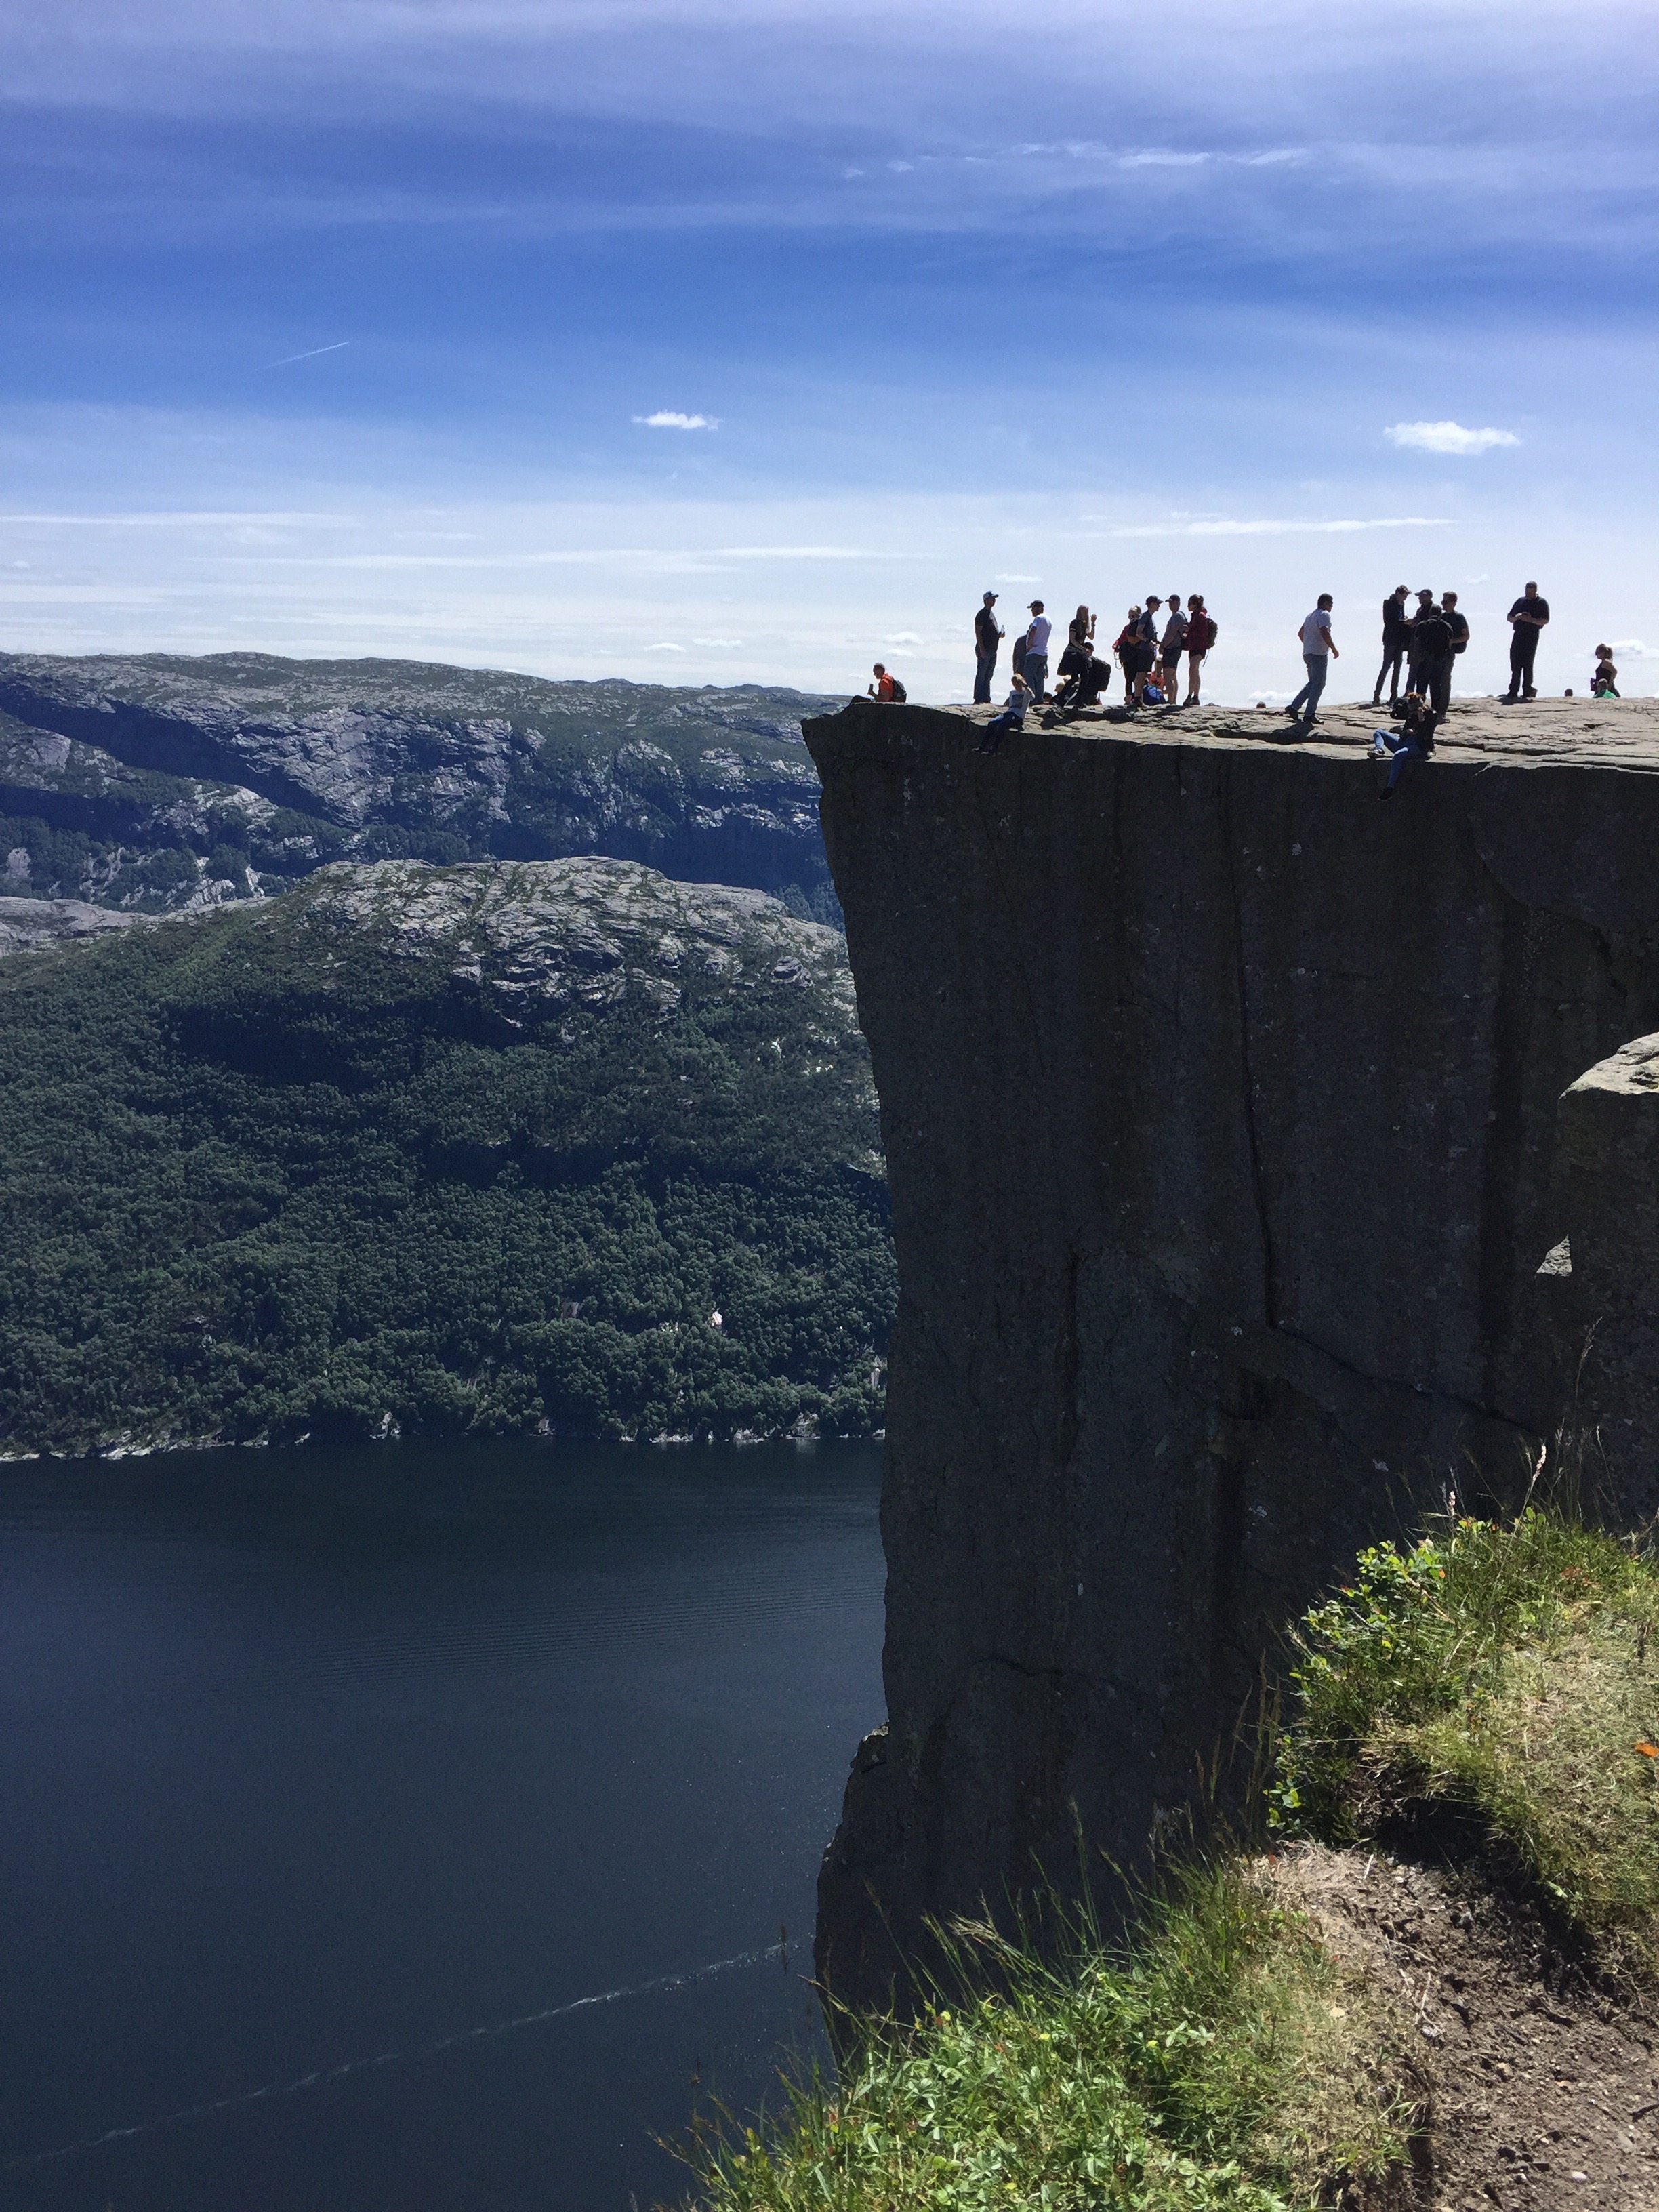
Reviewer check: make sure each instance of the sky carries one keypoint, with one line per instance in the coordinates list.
(715, 341)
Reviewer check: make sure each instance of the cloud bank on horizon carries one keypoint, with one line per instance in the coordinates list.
(948, 321)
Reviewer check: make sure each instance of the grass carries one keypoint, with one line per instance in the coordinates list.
(1507, 1670)
(1219, 2061)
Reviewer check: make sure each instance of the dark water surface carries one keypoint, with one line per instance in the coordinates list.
(312, 1757)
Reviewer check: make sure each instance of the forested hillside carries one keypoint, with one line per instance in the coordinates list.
(428, 1149)
(160, 781)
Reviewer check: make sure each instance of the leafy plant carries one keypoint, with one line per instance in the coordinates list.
(1217, 2061)
(1502, 1669)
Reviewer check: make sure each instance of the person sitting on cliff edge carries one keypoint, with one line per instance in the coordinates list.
(1012, 717)
(1414, 739)
(887, 689)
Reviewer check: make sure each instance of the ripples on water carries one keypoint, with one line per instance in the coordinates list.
(395, 1756)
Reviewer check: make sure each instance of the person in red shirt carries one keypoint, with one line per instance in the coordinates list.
(882, 687)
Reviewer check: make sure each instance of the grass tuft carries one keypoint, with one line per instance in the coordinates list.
(1220, 2062)
(1506, 1670)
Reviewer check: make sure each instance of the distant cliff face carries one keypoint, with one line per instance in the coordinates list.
(239, 762)
(1220, 1103)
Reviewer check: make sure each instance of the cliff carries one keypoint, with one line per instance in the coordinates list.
(126, 778)
(1220, 1103)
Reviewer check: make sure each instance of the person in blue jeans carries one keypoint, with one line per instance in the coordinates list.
(1012, 717)
(1319, 649)
(1414, 740)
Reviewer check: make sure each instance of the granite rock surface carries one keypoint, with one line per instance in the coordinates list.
(1220, 1105)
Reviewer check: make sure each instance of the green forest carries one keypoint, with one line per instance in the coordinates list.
(272, 1173)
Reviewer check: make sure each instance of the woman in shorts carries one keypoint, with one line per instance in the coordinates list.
(1172, 645)
(1198, 644)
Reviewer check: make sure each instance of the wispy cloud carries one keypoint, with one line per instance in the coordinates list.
(1633, 648)
(665, 647)
(1447, 438)
(669, 418)
(800, 553)
(1269, 526)
(182, 519)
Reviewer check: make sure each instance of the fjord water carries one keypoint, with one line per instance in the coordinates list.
(319, 1756)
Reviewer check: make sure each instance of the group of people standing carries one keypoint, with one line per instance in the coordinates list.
(1426, 641)
(1149, 653)
(1421, 646)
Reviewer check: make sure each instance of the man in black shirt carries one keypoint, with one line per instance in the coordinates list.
(1395, 631)
(1415, 655)
(1526, 617)
(987, 635)
(1459, 627)
(1432, 657)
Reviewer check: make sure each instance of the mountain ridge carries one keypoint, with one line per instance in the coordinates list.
(171, 771)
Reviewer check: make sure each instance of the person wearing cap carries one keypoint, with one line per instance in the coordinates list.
(988, 636)
(1036, 655)
(1396, 631)
(1417, 647)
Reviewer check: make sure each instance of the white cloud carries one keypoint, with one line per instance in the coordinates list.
(1447, 437)
(1007, 577)
(901, 168)
(1633, 649)
(718, 644)
(669, 418)
(902, 637)
(1266, 526)
(801, 553)
(665, 648)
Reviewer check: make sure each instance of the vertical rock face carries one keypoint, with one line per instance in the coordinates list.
(1610, 1177)
(1220, 1105)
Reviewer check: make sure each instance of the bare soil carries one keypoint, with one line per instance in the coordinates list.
(1538, 2084)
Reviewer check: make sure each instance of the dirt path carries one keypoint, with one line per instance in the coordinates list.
(1542, 2095)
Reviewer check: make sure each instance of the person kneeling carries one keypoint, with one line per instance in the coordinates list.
(1414, 740)
(1012, 716)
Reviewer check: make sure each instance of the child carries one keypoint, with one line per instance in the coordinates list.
(1012, 716)
(1604, 684)
(1414, 741)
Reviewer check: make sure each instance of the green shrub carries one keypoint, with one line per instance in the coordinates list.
(1219, 2061)
(1505, 1670)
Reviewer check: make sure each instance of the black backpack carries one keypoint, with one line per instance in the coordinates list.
(900, 695)
(1214, 628)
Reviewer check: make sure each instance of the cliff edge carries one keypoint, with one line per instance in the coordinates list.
(1233, 1217)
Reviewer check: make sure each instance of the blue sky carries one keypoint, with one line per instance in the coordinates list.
(339, 328)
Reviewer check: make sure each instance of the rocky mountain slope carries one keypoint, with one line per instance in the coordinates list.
(141, 781)
(546, 1144)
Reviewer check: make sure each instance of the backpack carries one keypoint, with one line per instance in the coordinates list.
(900, 695)
(1213, 630)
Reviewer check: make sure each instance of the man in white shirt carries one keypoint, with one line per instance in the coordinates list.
(1036, 663)
(1319, 649)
